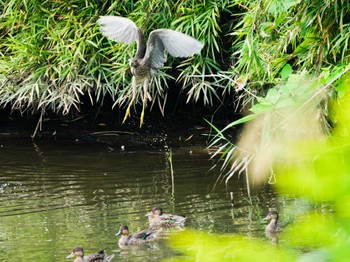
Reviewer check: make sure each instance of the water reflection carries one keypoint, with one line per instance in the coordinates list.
(55, 196)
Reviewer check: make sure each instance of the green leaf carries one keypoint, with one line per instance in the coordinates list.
(343, 86)
(241, 121)
(286, 71)
(272, 96)
(261, 108)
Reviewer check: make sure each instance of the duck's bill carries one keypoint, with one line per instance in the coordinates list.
(119, 233)
(70, 256)
(266, 218)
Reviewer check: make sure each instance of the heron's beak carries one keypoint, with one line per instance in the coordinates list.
(132, 62)
(119, 233)
(71, 255)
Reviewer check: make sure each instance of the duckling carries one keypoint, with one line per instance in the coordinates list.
(78, 253)
(274, 225)
(135, 238)
(156, 218)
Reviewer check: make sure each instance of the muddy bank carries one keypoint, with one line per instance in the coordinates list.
(107, 127)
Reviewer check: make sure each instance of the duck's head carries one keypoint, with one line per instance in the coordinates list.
(272, 215)
(156, 211)
(124, 231)
(77, 252)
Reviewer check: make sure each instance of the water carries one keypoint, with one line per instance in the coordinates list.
(58, 195)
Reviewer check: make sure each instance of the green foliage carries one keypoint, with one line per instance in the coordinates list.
(328, 163)
(322, 174)
(313, 168)
(201, 246)
(308, 35)
(288, 114)
(284, 136)
(52, 53)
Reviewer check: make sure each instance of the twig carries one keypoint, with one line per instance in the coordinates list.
(169, 155)
(39, 124)
(170, 159)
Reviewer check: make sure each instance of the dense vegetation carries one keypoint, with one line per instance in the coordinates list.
(292, 63)
(52, 52)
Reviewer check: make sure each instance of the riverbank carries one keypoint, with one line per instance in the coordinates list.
(107, 127)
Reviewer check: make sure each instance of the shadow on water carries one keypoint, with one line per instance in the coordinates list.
(57, 195)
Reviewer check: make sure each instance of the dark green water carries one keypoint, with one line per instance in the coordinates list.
(58, 195)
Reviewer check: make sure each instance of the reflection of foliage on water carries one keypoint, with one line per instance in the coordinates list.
(59, 195)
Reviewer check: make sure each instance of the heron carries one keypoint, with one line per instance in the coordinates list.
(150, 56)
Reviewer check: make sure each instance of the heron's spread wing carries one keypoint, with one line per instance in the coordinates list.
(179, 44)
(119, 29)
(175, 43)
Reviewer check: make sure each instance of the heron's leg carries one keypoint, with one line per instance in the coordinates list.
(133, 86)
(145, 90)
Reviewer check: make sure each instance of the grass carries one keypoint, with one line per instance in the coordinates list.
(52, 53)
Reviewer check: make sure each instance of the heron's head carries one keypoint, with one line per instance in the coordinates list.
(133, 62)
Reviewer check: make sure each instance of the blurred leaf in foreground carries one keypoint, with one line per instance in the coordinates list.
(286, 137)
(202, 246)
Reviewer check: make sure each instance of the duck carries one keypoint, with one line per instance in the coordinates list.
(78, 253)
(272, 229)
(156, 218)
(135, 238)
(274, 225)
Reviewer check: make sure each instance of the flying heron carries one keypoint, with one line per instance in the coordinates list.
(149, 57)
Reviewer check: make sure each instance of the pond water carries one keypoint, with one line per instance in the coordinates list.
(56, 195)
